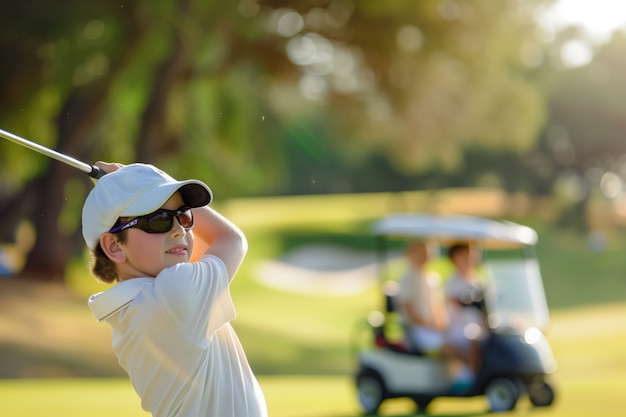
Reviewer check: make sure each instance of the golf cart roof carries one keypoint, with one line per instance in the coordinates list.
(454, 228)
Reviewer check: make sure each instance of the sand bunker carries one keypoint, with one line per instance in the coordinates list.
(320, 270)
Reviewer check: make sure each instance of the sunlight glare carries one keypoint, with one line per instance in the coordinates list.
(576, 53)
(599, 18)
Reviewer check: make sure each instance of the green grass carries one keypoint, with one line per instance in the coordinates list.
(590, 381)
(69, 397)
(575, 276)
(298, 344)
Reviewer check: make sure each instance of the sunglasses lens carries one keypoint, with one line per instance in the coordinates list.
(161, 222)
(186, 219)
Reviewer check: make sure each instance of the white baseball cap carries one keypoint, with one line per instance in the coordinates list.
(134, 190)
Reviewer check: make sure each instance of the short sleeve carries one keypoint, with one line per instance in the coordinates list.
(406, 288)
(195, 296)
(453, 288)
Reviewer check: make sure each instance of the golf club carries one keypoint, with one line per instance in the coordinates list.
(91, 170)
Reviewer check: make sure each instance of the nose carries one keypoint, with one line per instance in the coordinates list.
(177, 228)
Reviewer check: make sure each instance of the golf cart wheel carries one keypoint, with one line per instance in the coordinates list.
(541, 394)
(502, 394)
(371, 390)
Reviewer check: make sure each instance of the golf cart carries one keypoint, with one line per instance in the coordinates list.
(516, 357)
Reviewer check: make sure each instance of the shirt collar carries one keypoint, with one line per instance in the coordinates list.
(104, 304)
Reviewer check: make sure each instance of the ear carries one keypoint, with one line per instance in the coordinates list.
(112, 248)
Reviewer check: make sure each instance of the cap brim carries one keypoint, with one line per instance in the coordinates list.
(194, 194)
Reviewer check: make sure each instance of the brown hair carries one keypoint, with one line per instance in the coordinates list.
(457, 247)
(102, 267)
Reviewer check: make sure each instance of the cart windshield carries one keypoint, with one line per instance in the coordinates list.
(515, 297)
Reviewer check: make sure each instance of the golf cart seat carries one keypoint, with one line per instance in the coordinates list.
(393, 318)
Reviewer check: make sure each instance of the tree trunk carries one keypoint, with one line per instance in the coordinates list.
(82, 110)
(46, 262)
(154, 132)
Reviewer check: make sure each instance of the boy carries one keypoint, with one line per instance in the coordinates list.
(467, 323)
(171, 308)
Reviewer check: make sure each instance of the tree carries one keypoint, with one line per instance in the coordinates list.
(212, 90)
(419, 80)
(587, 121)
(81, 108)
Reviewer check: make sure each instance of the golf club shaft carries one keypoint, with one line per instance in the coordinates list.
(91, 170)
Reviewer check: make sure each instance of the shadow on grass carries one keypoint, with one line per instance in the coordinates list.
(31, 362)
(414, 414)
(274, 353)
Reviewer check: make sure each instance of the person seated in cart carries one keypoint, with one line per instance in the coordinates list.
(420, 302)
(464, 291)
(427, 323)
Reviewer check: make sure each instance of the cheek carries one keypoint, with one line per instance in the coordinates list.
(189, 239)
(143, 250)
(142, 247)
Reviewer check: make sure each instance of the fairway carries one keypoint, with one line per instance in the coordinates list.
(299, 344)
(588, 342)
(297, 396)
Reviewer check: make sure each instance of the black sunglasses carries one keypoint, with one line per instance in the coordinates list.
(160, 221)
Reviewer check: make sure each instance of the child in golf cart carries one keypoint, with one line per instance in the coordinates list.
(464, 293)
(170, 310)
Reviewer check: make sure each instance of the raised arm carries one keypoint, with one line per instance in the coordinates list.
(216, 235)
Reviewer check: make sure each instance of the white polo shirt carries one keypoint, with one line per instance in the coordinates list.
(172, 335)
(421, 291)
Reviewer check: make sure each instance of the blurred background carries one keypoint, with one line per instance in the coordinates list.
(308, 119)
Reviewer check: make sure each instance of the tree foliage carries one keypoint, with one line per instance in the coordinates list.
(587, 124)
(418, 80)
(224, 91)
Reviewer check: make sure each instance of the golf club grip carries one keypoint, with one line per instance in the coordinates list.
(96, 173)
